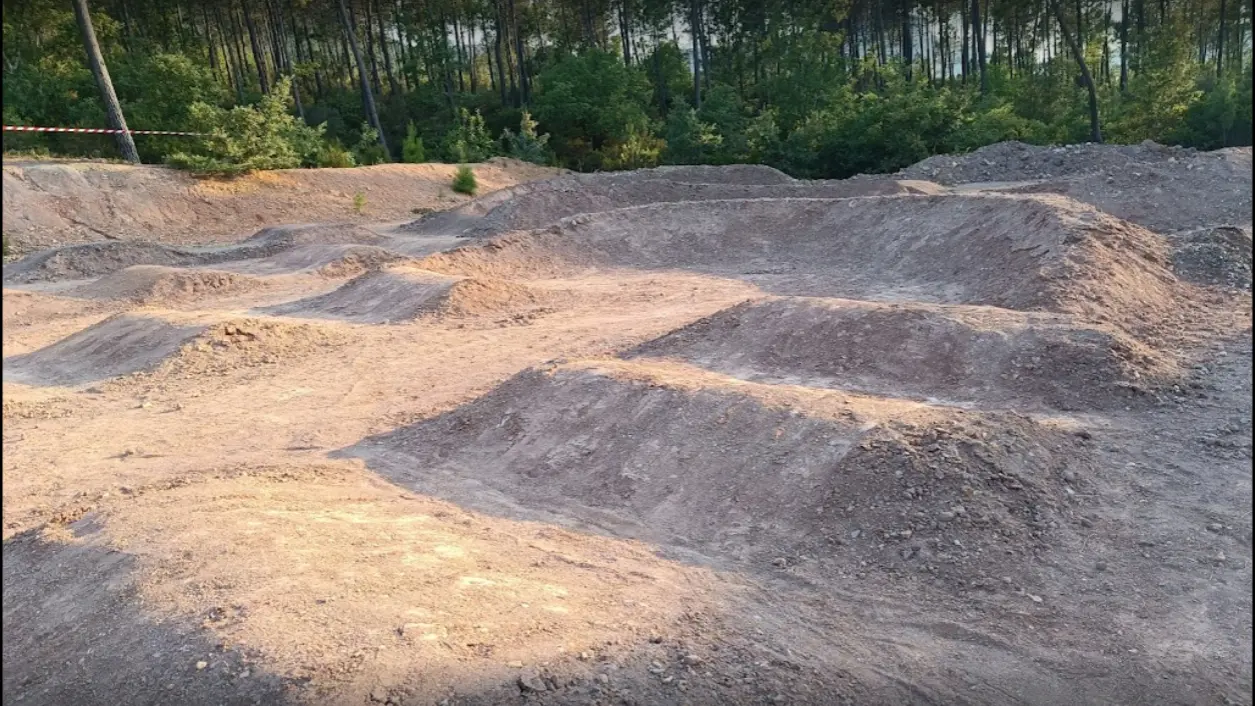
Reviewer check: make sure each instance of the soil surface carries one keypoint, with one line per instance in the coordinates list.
(678, 436)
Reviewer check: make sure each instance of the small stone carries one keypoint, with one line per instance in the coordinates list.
(201, 665)
(603, 678)
(1100, 566)
(530, 681)
(1035, 599)
(691, 660)
(514, 665)
(1215, 527)
(1221, 558)
(779, 562)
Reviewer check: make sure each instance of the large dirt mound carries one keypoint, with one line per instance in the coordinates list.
(942, 354)
(399, 294)
(1014, 252)
(121, 344)
(54, 203)
(94, 260)
(1017, 161)
(152, 284)
(541, 203)
(334, 261)
(315, 234)
(1196, 190)
(752, 471)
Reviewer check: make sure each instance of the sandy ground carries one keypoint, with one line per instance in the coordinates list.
(587, 442)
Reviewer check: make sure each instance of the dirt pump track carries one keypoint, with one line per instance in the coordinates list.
(976, 433)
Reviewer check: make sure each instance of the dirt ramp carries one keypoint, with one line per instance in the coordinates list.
(315, 234)
(707, 174)
(540, 204)
(329, 260)
(119, 345)
(153, 284)
(1017, 161)
(1214, 256)
(95, 260)
(399, 294)
(748, 471)
(1016, 252)
(963, 355)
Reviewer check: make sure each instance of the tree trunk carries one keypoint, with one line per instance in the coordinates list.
(1220, 40)
(96, 60)
(258, 55)
(694, 33)
(978, 38)
(524, 81)
(505, 74)
(908, 45)
(1124, 46)
(1095, 132)
(368, 96)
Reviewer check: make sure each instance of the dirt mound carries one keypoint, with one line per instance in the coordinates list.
(542, 203)
(1015, 252)
(152, 284)
(745, 174)
(1214, 256)
(951, 355)
(398, 294)
(333, 261)
(248, 343)
(315, 234)
(54, 203)
(121, 344)
(757, 472)
(1017, 161)
(94, 260)
(1165, 196)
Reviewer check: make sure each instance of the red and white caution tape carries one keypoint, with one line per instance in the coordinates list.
(97, 131)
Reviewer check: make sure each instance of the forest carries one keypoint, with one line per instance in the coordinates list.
(817, 88)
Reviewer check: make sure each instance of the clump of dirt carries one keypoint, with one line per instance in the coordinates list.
(1214, 256)
(248, 343)
(151, 284)
(539, 204)
(1164, 196)
(400, 294)
(119, 345)
(357, 261)
(954, 355)
(94, 260)
(1017, 161)
(762, 473)
(315, 234)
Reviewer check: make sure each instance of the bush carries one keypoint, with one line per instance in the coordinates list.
(469, 141)
(464, 181)
(412, 149)
(368, 150)
(526, 145)
(335, 156)
(248, 138)
(640, 150)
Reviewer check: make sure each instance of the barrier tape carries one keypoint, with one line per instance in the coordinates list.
(98, 131)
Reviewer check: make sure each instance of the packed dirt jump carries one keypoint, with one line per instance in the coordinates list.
(975, 433)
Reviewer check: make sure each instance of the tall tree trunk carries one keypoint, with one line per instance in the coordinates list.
(505, 73)
(387, 54)
(694, 22)
(370, 49)
(908, 44)
(96, 60)
(978, 38)
(524, 80)
(1124, 46)
(368, 96)
(1220, 39)
(1095, 132)
(258, 55)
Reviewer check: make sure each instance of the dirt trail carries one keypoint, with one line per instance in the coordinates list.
(692, 435)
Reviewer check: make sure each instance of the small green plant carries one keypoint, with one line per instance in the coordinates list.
(469, 140)
(412, 149)
(359, 203)
(335, 156)
(464, 181)
(5, 242)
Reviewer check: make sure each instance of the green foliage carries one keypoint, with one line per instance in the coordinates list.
(4, 245)
(640, 150)
(412, 149)
(689, 140)
(368, 150)
(359, 203)
(334, 155)
(762, 138)
(1222, 117)
(469, 140)
(527, 145)
(589, 101)
(247, 138)
(464, 181)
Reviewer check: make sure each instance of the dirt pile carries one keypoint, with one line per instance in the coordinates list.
(1196, 190)
(94, 260)
(400, 294)
(151, 284)
(54, 203)
(1017, 161)
(951, 355)
(762, 473)
(541, 203)
(119, 345)
(284, 236)
(1016, 252)
(1214, 256)
(225, 347)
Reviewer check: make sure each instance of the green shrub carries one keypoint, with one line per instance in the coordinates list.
(526, 145)
(412, 149)
(334, 155)
(640, 150)
(464, 181)
(359, 203)
(469, 141)
(368, 150)
(247, 138)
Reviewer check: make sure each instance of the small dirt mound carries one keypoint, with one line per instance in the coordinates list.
(227, 347)
(397, 295)
(333, 261)
(121, 344)
(151, 284)
(941, 354)
(1017, 161)
(743, 174)
(315, 234)
(540, 204)
(95, 260)
(1214, 256)
(751, 471)
(1039, 253)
